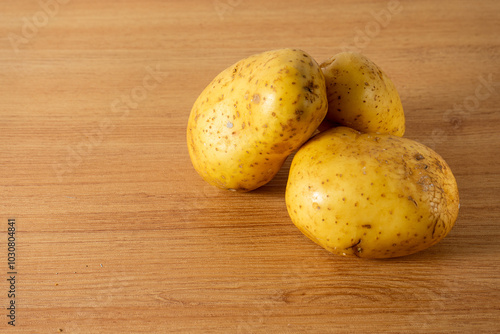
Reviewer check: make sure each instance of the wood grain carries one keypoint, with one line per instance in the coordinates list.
(117, 233)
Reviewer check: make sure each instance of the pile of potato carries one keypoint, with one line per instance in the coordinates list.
(358, 188)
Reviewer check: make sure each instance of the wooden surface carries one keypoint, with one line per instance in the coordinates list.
(115, 231)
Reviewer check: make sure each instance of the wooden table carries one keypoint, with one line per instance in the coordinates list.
(116, 233)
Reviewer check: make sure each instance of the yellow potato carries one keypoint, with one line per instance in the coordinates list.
(253, 115)
(371, 195)
(361, 96)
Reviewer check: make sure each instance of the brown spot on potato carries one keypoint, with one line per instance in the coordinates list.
(419, 156)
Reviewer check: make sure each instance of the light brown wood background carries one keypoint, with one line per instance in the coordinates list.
(116, 233)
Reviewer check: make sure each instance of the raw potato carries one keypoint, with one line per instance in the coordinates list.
(361, 96)
(253, 115)
(371, 195)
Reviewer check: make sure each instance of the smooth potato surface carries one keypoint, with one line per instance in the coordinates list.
(361, 95)
(371, 195)
(253, 115)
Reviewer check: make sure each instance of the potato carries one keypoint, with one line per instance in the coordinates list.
(361, 96)
(253, 115)
(371, 195)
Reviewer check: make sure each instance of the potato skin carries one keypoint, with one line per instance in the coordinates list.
(371, 195)
(253, 115)
(361, 96)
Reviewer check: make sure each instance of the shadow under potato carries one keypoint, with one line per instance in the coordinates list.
(277, 186)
